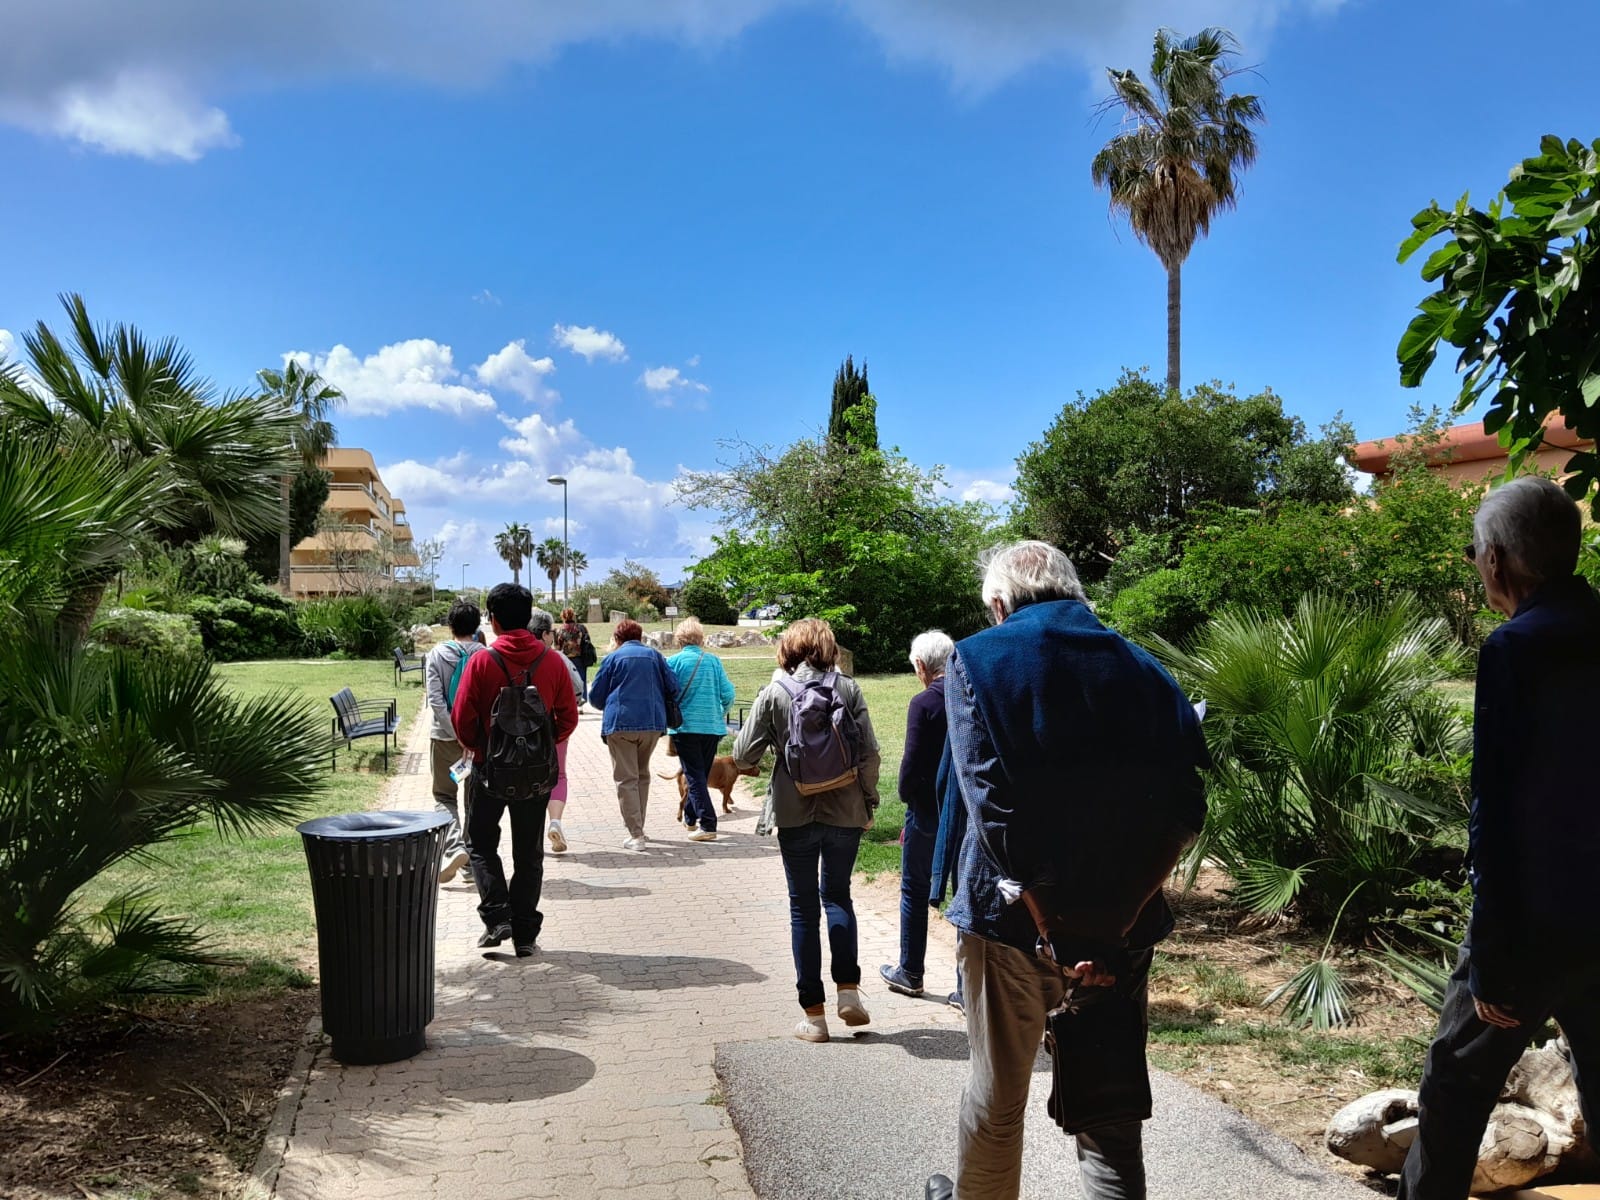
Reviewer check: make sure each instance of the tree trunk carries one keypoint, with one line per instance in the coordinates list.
(77, 613)
(1174, 322)
(285, 575)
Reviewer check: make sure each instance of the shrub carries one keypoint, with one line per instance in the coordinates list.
(261, 624)
(148, 632)
(1161, 605)
(110, 755)
(359, 626)
(708, 600)
(612, 599)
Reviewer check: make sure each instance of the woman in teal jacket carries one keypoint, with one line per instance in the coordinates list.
(704, 694)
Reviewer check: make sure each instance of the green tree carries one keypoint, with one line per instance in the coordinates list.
(1518, 295)
(308, 492)
(308, 399)
(514, 543)
(218, 459)
(577, 563)
(853, 416)
(641, 585)
(704, 597)
(551, 555)
(859, 537)
(1139, 458)
(1174, 164)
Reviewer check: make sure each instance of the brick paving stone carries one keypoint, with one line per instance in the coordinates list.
(585, 1071)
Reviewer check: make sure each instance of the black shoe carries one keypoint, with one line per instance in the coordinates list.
(526, 949)
(940, 1187)
(900, 981)
(494, 935)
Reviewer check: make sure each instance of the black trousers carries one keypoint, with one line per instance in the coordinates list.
(1468, 1064)
(498, 903)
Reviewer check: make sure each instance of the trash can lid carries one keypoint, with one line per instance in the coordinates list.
(356, 826)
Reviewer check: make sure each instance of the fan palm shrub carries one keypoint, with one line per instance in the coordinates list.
(1334, 780)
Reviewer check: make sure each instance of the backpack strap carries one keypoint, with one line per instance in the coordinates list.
(791, 685)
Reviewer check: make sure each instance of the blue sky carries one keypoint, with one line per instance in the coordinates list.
(447, 209)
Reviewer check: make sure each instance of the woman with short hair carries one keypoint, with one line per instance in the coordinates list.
(818, 831)
(705, 691)
(632, 687)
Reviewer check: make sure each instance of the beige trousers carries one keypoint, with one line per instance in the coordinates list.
(630, 768)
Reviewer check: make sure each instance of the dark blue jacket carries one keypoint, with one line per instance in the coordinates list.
(919, 762)
(632, 686)
(952, 830)
(1535, 825)
(1066, 739)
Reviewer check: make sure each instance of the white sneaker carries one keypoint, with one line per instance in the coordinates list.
(558, 840)
(851, 1011)
(705, 835)
(452, 864)
(812, 1029)
(634, 843)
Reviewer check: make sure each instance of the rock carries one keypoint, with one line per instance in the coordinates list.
(1360, 1131)
(1515, 1150)
(661, 640)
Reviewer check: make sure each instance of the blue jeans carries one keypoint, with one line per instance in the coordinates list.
(696, 752)
(916, 874)
(834, 848)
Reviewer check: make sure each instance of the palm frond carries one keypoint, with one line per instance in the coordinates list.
(1315, 995)
(1266, 887)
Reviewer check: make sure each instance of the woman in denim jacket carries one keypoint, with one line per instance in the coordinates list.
(632, 687)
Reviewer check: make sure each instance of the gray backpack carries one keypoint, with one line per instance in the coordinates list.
(824, 745)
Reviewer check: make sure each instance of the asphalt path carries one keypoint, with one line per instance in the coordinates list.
(869, 1117)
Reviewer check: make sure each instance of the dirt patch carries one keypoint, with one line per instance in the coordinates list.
(1208, 1026)
(172, 1102)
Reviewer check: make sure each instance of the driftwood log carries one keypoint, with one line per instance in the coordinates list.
(1535, 1128)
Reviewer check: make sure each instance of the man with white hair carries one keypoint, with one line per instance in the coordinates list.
(919, 773)
(1534, 838)
(1078, 763)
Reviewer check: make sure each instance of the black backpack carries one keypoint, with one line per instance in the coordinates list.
(519, 760)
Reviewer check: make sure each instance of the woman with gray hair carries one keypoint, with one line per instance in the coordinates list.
(919, 772)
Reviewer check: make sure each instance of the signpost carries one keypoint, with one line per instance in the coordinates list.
(672, 618)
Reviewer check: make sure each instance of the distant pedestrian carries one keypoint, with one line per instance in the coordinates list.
(516, 660)
(1533, 838)
(441, 674)
(919, 774)
(632, 687)
(572, 639)
(1077, 758)
(705, 692)
(541, 625)
(821, 813)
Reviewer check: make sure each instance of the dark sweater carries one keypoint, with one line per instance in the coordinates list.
(925, 737)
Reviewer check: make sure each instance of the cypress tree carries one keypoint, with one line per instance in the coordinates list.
(851, 392)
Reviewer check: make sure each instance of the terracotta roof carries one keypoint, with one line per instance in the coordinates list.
(1460, 444)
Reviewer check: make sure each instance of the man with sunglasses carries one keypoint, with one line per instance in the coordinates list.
(1530, 950)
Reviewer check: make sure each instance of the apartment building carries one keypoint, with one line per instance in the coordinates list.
(1466, 454)
(371, 537)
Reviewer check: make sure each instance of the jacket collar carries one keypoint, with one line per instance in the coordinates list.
(1574, 589)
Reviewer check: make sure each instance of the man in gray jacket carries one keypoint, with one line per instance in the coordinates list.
(439, 672)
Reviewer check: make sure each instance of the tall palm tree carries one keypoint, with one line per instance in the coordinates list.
(1174, 164)
(308, 398)
(577, 563)
(112, 391)
(551, 554)
(514, 543)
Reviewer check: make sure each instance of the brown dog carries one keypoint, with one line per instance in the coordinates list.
(724, 772)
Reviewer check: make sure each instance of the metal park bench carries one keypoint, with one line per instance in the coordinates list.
(354, 719)
(404, 662)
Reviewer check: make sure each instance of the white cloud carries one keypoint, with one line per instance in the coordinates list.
(989, 491)
(485, 296)
(8, 344)
(665, 382)
(590, 342)
(417, 373)
(512, 369)
(128, 78)
(538, 441)
(693, 361)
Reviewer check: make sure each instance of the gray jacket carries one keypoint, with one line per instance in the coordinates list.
(768, 725)
(437, 668)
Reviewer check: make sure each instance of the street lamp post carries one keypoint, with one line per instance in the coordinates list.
(566, 548)
(464, 567)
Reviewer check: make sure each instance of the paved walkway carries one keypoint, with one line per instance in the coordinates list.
(587, 1070)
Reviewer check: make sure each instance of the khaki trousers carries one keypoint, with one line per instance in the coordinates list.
(630, 768)
(1008, 994)
(442, 755)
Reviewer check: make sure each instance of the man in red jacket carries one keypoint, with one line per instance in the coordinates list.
(509, 912)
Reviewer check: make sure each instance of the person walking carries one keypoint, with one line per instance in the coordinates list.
(558, 795)
(633, 687)
(441, 673)
(820, 806)
(1078, 760)
(572, 639)
(704, 694)
(919, 774)
(1533, 839)
(517, 658)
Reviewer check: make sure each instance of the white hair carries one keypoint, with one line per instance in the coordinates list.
(1028, 573)
(932, 649)
(540, 622)
(1535, 524)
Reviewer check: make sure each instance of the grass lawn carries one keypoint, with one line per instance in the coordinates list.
(251, 895)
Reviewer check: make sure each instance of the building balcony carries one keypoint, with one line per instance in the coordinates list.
(353, 498)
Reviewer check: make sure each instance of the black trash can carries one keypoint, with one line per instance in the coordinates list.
(375, 882)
